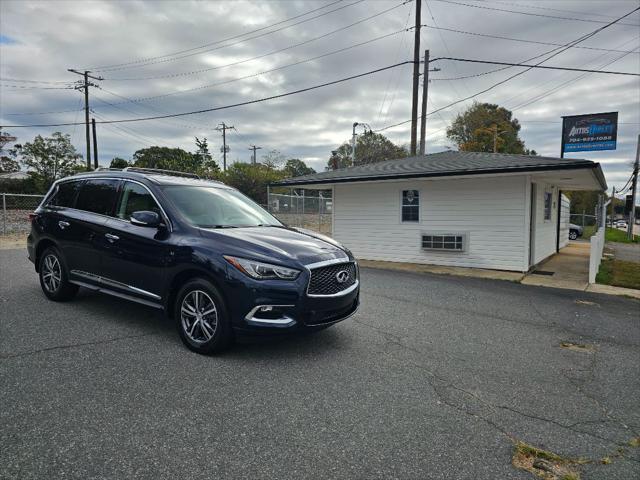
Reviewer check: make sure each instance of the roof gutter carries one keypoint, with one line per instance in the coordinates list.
(578, 165)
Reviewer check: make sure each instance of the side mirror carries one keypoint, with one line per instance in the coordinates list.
(145, 218)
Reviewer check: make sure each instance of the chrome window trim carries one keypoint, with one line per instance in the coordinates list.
(164, 214)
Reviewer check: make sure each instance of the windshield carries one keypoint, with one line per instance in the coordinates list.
(211, 207)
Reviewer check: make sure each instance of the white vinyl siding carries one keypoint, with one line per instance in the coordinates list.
(489, 210)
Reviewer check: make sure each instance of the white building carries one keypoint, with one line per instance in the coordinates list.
(464, 209)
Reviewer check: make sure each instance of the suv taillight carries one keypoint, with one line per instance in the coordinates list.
(33, 216)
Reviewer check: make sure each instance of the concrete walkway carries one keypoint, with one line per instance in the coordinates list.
(569, 269)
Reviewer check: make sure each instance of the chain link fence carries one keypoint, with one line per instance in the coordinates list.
(299, 210)
(15, 210)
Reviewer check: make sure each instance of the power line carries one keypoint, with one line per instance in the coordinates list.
(558, 87)
(216, 42)
(33, 87)
(392, 75)
(50, 82)
(570, 69)
(239, 62)
(557, 52)
(531, 14)
(552, 9)
(275, 69)
(521, 40)
(213, 109)
(186, 55)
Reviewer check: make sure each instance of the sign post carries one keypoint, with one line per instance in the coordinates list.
(585, 133)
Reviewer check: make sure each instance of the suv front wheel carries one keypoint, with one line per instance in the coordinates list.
(201, 317)
(54, 278)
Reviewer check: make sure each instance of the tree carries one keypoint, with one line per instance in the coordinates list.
(252, 180)
(8, 164)
(208, 166)
(165, 158)
(296, 168)
(50, 158)
(483, 126)
(118, 162)
(273, 159)
(370, 148)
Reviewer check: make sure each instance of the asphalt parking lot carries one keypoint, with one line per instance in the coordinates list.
(435, 377)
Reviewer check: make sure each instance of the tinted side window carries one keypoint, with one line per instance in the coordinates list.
(135, 198)
(97, 196)
(65, 194)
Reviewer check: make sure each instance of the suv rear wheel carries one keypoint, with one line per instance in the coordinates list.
(54, 278)
(201, 317)
(573, 234)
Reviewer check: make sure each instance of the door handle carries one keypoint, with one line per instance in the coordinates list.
(62, 224)
(111, 238)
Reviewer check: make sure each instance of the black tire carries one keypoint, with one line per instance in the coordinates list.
(203, 337)
(573, 235)
(54, 277)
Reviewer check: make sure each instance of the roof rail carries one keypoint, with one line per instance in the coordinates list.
(160, 171)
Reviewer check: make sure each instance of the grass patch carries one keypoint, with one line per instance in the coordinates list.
(620, 236)
(545, 464)
(619, 274)
(588, 231)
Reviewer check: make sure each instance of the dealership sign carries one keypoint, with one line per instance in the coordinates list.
(583, 133)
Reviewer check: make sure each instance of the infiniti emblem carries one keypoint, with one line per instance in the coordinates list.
(342, 276)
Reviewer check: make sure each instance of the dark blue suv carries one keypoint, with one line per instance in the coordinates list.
(215, 261)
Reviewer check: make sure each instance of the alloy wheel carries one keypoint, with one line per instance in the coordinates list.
(199, 316)
(51, 273)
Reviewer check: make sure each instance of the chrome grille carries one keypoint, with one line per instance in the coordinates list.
(324, 280)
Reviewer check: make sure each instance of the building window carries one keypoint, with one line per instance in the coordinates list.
(451, 242)
(410, 206)
(547, 206)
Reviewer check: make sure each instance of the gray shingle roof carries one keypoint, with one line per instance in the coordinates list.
(445, 164)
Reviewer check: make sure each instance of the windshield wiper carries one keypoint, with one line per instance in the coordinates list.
(218, 226)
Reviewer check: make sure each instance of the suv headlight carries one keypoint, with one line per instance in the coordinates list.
(262, 271)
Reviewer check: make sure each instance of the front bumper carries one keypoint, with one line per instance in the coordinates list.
(266, 307)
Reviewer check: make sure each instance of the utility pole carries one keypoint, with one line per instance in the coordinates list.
(634, 189)
(353, 139)
(353, 144)
(253, 157)
(613, 199)
(85, 86)
(95, 143)
(222, 127)
(423, 113)
(416, 80)
(495, 138)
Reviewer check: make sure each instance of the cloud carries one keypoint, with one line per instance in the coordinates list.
(55, 36)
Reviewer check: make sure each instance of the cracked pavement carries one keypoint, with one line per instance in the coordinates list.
(435, 377)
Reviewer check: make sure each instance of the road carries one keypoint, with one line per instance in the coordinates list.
(435, 377)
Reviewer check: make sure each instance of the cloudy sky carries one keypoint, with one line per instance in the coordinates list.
(161, 57)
